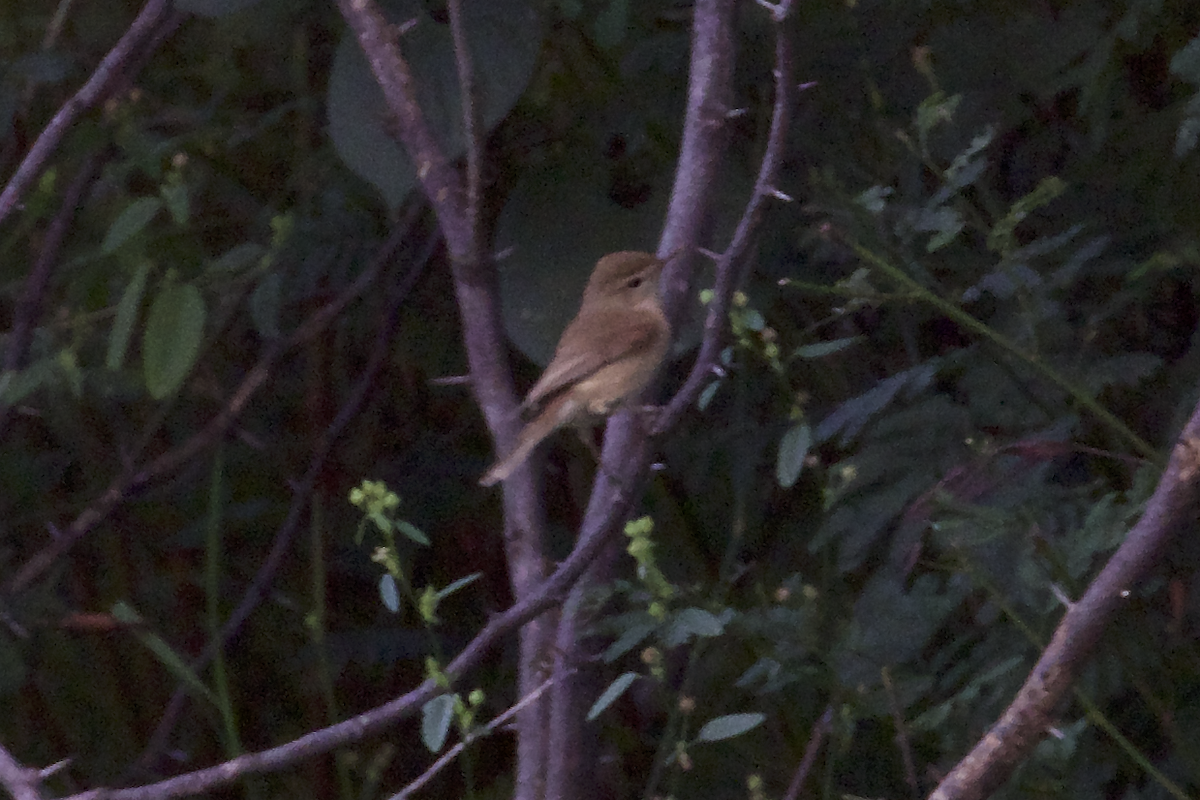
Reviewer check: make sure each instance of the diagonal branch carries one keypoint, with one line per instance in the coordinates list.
(548, 593)
(1024, 723)
(110, 70)
(732, 267)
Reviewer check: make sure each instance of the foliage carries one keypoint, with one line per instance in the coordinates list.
(950, 386)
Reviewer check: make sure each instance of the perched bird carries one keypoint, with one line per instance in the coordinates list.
(605, 357)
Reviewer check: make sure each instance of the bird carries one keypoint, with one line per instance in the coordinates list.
(607, 355)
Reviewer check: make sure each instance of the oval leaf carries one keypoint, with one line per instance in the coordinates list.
(793, 449)
(436, 716)
(388, 593)
(131, 299)
(614, 690)
(729, 726)
(172, 338)
(132, 220)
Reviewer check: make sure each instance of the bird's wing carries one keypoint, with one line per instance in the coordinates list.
(578, 355)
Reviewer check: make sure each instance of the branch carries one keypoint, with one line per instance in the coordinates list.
(732, 266)
(110, 70)
(1025, 721)
(815, 740)
(548, 593)
(472, 736)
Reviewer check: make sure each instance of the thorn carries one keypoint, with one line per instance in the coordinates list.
(804, 87)
(450, 380)
(503, 254)
(704, 251)
(778, 195)
(1061, 596)
(736, 112)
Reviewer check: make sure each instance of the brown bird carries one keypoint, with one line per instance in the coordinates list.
(605, 357)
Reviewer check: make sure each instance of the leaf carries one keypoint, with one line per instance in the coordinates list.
(388, 593)
(610, 695)
(630, 638)
(822, 349)
(130, 222)
(459, 584)
(166, 654)
(175, 195)
(436, 716)
(171, 342)
(412, 532)
(849, 418)
(265, 304)
(793, 449)
(729, 726)
(690, 623)
(122, 330)
(505, 39)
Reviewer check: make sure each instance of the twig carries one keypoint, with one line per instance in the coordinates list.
(472, 736)
(29, 306)
(20, 781)
(731, 271)
(108, 72)
(815, 740)
(1026, 720)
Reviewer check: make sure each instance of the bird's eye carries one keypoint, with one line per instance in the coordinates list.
(634, 282)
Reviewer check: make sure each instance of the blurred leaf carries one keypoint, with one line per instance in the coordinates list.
(265, 303)
(793, 449)
(130, 222)
(171, 342)
(692, 623)
(822, 349)
(504, 37)
(610, 695)
(436, 716)
(849, 418)
(214, 8)
(127, 310)
(729, 726)
(389, 593)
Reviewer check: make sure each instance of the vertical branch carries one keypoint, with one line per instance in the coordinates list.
(625, 444)
(477, 291)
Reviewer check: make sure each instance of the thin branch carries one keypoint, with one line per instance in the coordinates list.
(472, 736)
(29, 306)
(815, 740)
(1025, 722)
(110, 70)
(732, 265)
(548, 593)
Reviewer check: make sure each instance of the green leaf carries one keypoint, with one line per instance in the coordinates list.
(170, 659)
(265, 305)
(171, 342)
(793, 449)
(436, 716)
(822, 349)
(175, 195)
(388, 593)
(122, 330)
(412, 532)
(130, 222)
(610, 695)
(505, 39)
(690, 623)
(729, 726)
(459, 584)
